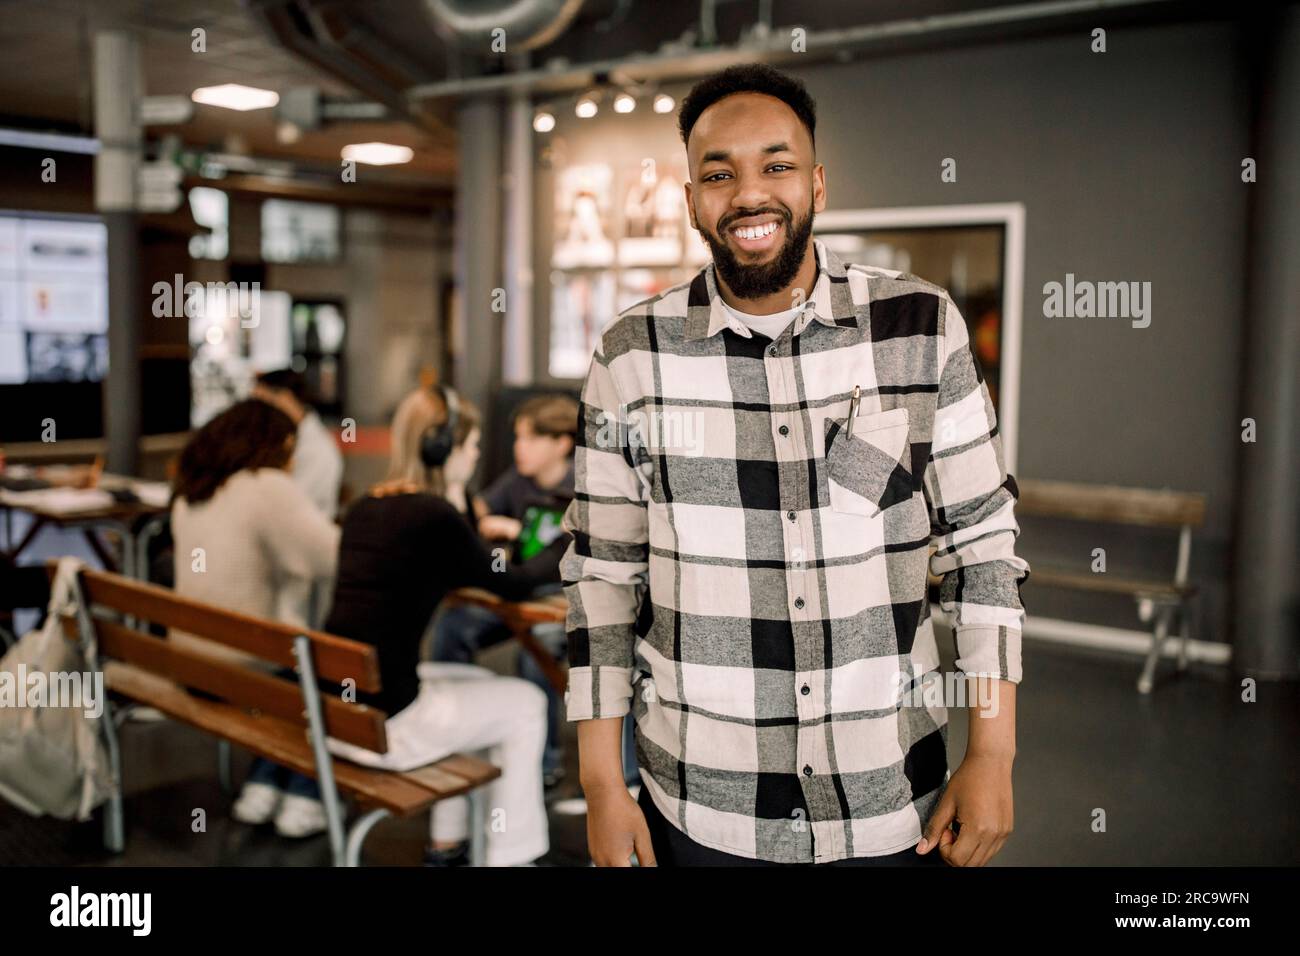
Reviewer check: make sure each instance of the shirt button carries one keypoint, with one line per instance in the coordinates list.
(807, 771)
(771, 350)
(805, 690)
(791, 515)
(784, 429)
(798, 602)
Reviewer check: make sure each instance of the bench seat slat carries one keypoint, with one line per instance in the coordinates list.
(1142, 507)
(1109, 583)
(399, 793)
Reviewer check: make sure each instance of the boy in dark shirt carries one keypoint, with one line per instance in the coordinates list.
(541, 477)
(523, 508)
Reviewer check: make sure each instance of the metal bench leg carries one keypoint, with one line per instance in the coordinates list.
(114, 822)
(114, 817)
(224, 776)
(1147, 680)
(477, 826)
(329, 793)
(357, 835)
(1187, 618)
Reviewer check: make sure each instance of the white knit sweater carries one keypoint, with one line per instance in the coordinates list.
(258, 540)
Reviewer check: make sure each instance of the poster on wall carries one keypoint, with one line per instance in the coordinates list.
(637, 285)
(654, 215)
(583, 217)
(581, 305)
(622, 235)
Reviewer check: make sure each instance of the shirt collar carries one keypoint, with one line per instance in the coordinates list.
(831, 302)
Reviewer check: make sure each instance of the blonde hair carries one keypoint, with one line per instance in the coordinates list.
(419, 411)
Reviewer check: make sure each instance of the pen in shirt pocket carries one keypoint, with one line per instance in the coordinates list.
(853, 409)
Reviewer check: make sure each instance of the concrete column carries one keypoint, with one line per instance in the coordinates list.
(517, 340)
(1267, 590)
(477, 345)
(118, 84)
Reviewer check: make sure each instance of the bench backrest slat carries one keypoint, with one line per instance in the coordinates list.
(336, 659)
(237, 684)
(1142, 507)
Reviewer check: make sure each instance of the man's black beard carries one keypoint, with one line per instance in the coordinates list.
(759, 281)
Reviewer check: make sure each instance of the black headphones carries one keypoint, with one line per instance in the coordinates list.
(437, 442)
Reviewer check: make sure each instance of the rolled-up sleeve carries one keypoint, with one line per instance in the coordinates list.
(606, 565)
(971, 499)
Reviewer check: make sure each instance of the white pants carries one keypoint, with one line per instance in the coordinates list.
(464, 708)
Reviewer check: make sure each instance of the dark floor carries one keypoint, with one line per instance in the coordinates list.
(1188, 776)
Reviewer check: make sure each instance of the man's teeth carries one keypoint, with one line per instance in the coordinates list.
(755, 232)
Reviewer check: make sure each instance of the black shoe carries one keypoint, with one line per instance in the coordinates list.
(457, 855)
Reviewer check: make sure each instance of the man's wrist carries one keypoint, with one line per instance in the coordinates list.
(603, 784)
(997, 753)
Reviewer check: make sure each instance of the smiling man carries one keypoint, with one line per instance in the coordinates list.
(757, 599)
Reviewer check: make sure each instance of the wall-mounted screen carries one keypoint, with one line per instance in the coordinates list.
(53, 299)
(299, 231)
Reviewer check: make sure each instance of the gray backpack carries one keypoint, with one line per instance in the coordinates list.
(53, 755)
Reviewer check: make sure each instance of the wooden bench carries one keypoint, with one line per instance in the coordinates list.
(1158, 599)
(283, 720)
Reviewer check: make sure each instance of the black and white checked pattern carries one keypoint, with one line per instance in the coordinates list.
(748, 576)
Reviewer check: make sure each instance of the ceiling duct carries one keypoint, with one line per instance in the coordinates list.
(528, 24)
(324, 34)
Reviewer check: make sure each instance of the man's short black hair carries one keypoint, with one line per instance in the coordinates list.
(747, 78)
(286, 378)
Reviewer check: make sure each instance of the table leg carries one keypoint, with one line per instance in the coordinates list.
(37, 524)
(97, 546)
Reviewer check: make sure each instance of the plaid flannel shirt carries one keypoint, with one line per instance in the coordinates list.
(747, 575)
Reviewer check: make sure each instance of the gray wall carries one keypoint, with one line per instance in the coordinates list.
(1128, 164)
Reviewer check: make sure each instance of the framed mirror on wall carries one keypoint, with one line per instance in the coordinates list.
(977, 253)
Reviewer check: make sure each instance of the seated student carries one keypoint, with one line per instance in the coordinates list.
(524, 506)
(405, 545)
(539, 484)
(318, 470)
(244, 532)
(546, 430)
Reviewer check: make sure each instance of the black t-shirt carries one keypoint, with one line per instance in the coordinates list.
(512, 494)
(398, 557)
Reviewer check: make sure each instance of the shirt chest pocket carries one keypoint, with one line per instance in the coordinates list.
(870, 469)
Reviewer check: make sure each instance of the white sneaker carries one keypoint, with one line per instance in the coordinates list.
(257, 803)
(300, 817)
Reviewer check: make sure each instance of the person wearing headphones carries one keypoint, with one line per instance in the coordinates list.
(405, 545)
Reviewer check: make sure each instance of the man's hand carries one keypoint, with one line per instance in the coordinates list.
(616, 827)
(978, 797)
(499, 528)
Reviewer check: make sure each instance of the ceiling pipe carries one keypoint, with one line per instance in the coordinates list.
(332, 24)
(528, 24)
(292, 28)
(820, 46)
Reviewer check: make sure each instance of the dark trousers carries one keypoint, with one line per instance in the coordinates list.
(673, 848)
